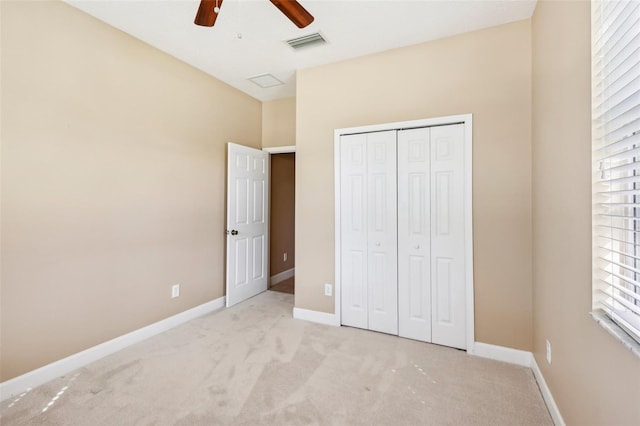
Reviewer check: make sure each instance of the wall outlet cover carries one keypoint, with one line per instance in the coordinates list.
(328, 289)
(548, 352)
(175, 291)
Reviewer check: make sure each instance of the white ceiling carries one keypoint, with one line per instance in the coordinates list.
(248, 37)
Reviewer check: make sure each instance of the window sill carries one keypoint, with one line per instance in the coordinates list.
(618, 333)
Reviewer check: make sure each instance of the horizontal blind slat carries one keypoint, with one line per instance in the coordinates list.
(624, 143)
(619, 93)
(618, 181)
(620, 265)
(616, 28)
(617, 240)
(604, 115)
(634, 165)
(620, 192)
(631, 294)
(609, 58)
(609, 13)
(625, 205)
(625, 279)
(624, 71)
(619, 228)
(626, 127)
(622, 301)
(631, 256)
(630, 153)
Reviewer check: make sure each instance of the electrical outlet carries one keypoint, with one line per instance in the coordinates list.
(328, 289)
(175, 291)
(548, 352)
(284, 257)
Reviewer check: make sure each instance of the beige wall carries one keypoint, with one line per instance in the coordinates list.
(279, 123)
(282, 217)
(113, 174)
(486, 73)
(589, 368)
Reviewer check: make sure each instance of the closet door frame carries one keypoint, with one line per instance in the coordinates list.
(467, 120)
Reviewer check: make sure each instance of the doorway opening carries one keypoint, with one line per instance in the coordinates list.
(282, 220)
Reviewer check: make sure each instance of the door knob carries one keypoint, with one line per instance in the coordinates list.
(418, 247)
(233, 232)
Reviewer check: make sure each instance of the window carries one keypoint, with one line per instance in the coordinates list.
(616, 161)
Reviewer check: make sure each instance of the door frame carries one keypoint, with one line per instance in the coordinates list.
(270, 151)
(276, 150)
(280, 149)
(467, 120)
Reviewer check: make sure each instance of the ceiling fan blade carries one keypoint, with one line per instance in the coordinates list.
(294, 11)
(206, 16)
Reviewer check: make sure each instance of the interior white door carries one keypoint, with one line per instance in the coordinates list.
(353, 258)
(448, 320)
(369, 231)
(382, 237)
(414, 236)
(247, 222)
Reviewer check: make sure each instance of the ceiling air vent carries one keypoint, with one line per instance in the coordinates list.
(265, 80)
(306, 41)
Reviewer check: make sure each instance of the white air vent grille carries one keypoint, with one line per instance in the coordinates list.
(306, 41)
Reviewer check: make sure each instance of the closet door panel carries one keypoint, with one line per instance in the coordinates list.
(414, 261)
(448, 325)
(382, 235)
(354, 229)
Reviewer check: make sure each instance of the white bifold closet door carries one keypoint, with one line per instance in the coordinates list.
(369, 231)
(402, 233)
(431, 250)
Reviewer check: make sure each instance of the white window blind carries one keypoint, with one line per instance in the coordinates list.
(616, 159)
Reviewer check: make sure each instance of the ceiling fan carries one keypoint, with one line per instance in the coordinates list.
(209, 10)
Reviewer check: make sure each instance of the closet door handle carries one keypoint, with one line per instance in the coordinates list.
(378, 244)
(417, 247)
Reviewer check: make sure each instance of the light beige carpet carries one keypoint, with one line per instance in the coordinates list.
(254, 364)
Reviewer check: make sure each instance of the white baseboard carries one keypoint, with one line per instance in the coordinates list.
(546, 394)
(315, 316)
(525, 359)
(501, 353)
(284, 275)
(66, 365)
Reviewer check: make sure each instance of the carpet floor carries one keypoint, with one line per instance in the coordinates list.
(253, 364)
